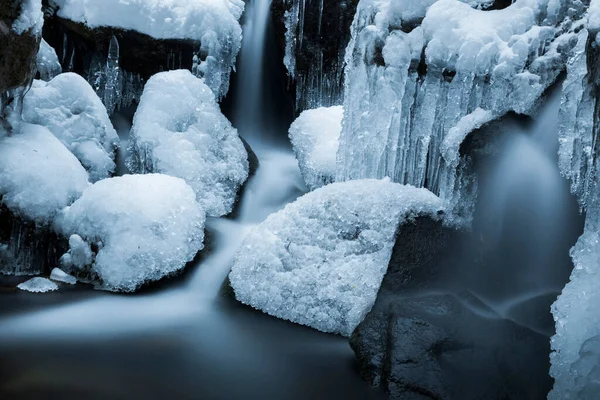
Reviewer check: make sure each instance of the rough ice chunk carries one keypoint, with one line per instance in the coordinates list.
(38, 285)
(59, 275)
(320, 261)
(214, 23)
(71, 110)
(140, 227)
(48, 65)
(31, 18)
(38, 175)
(315, 136)
(179, 130)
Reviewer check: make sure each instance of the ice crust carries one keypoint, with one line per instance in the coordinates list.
(320, 261)
(131, 230)
(315, 137)
(47, 62)
(71, 110)
(38, 285)
(58, 275)
(179, 130)
(30, 18)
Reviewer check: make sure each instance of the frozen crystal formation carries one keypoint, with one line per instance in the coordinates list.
(576, 345)
(131, 230)
(59, 275)
(47, 62)
(71, 110)
(415, 70)
(30, 19)
(315, 135)
(320, 261)
(179, 130)
(38, 285)
(212, 23)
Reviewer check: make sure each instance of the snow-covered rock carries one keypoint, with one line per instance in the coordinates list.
(213, 23)
(320, 261)
(71, 110)
(315, 136)
(47, 62)
(130, 230)
(31, 18)
(38, 175)
(38, 285)
(59, 275)
(179, 130)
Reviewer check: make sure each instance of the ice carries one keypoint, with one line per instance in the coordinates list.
(214, 23)
(315, 135)
(413, 73)
(320, 261)
(59, 275)
(140, 228)
(38, 285)
(47, 62)
(71, 110)
(38, 175)
(179, 130)
(31, 18)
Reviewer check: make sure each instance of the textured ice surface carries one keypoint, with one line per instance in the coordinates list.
(179, 130)
(38, 285)
(212, 22)
(415, 69)
(141, 228)
(30, 18)
(71, 110)
(315, 135)
(320, 261)
(38, 175)
(59, 275)
(47, 62)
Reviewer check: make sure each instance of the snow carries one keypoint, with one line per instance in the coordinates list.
(48, 65)
(38, 175)
(31, 18)
(320, 261)
(38, 285)
(179, 130)
(71, 110)
(212, 22)
(315, 135)
(141, 228)
(59, 275)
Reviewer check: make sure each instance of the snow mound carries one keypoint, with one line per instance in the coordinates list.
(71, 110)
(320, 261)
(59, 275)
(38, 285)
(38, 175)
(31, 18)
(315, 135)
(141, 228)
(48, 65)
(179, 130)
(214, 23)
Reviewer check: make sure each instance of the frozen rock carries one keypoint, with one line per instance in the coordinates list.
(47, 62)
(315, 135)
(38, 285)
(320, 261)
(71, 110)
(179, 130)
(59, 275)
(30, 19)
(140, 228)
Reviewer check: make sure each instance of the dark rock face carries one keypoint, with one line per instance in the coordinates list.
(422, 341)
(321, 36)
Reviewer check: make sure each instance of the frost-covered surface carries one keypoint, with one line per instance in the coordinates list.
(141, 228)
(30, 18)
(71, 110)
(38, 175)
(38, 285)
(406, 91)
(214, 23)
(320, 261)
(179, 130)
(47, 62)
(59, 275)
(315, 136)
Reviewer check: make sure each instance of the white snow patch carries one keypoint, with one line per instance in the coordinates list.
(38, 285)
(31, 18)
(59, 275)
